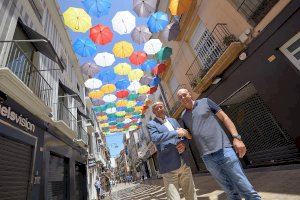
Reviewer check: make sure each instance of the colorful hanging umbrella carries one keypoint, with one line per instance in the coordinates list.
(123, 22)
(130, 104)
(160, 68)
(171, 31)
(127, 121)
(121, 113)
(90, 69)
(123, 108)
(96, 94)
(112, 123)
(103, 117)
(139, 103)
(122, 69)
(99, 108)
(164, 53)
(108, 88)
(146, 79)
(122, 93)
(133, 127)
(123, 49)
(148, 65)
(122, 84)
(152, 90)
(155, 82)
(98, 102)
(144, 8)
(141, 34)
(106, 75)
(142, 97)
(84, 47)
(132, 96)
(134, 86)
(109, 98)
(152, 46)
(110, 110)
(93, 83)
(97, 8)
(104, 59)
(143, 89)
(77, 19)
(110, 105)
(135, 75)
(157, 21)
(138, 58)
(121, 103)
(178, 7)
(101, 34)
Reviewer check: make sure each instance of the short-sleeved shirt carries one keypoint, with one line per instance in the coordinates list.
(205, 128)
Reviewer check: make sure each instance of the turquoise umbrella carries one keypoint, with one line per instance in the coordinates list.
(84, 47)
(164, 53)
(157, 21)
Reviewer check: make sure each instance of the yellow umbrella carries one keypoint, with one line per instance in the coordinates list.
(130, 104)
(105, 125)
(123, 49)
(121, 103)
(143, 89)
(128, 116)
(122, 68)
(121, 113)
(77, 19)
(96, 94)
(108, 88)
(135, 75)
(138, 108)
(103, 117)
(178, 7)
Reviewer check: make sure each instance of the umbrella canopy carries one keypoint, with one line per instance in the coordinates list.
(123, 49)
(171, 31)
(110, 110)
(127, 121)
(155, 82)
(93, 83)
(123, 22)
(143, 89)
(134, 86)
(138, 58)
(104, 59)
(152, 90)
(121, 103)
(130, 104)
(145, 80)
(97, 8)
(98, 102)
(122, 93)
(106, 75)
(142, 97)
(122, 84)
(157, 21)
(101, 118)
(178, 7)
(77, 19)
(122, 69)
(152, 46)
(108, 88)
(84, 47)
(90, 69)
(101, 34)
(164, 53)
(144, 8)
(159, 69)
(141, 34)
(121, 113)
(135, 75)
(96, 94)
(109, 98)
(132, 96)
(148, 65)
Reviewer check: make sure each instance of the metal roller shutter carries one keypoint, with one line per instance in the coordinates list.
(57, 179)
(15, 165)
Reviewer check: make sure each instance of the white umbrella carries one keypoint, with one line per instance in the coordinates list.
(104, 59)
(141, 34)
(134, 86)
(152, 46)
(110, 110)
(126, 121)
(93, 83)
(109, 98)
(144, 8)
(123, 22)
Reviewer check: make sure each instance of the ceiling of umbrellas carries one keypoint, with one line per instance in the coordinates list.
(120, 90)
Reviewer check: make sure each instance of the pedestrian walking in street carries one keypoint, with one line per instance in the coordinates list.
(98, 188)
(201, 117)
(171, 140)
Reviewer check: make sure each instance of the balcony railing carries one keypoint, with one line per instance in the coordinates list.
(173, 101)
(64, 114)
(209, 49)
(82, 134)
(255, 10)
(14, 58)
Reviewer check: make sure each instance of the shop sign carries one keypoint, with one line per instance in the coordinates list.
(92, 162)
(7, 112)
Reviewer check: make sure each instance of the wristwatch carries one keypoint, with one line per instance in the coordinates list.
(237, 136)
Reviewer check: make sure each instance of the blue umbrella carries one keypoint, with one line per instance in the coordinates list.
(157, 21)
(121, 108)
(139, 103)
(84, 47)
(122, 84)
(148, 65)
(154, 82)
(97, 8)
(106, 75)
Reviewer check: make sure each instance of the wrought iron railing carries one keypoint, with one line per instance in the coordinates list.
(64, 114)
(14, 58)
(255, 10)
(82, 134)
(173, 101)
(209, 49)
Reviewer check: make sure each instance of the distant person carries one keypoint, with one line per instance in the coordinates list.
(98, 188)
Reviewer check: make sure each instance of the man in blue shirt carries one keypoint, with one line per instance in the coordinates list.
(201, 118)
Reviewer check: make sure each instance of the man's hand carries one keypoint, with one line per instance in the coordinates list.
(183, 133)
(239, 147)
(180, 147)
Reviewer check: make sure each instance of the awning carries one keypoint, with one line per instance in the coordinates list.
(42, 44)
(71, 92)
(85, 116)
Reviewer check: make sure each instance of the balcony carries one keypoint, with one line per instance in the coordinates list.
(216, 51)
(82, 137)
(23, 81)
(174, 105)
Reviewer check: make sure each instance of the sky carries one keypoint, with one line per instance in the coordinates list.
(114, 141)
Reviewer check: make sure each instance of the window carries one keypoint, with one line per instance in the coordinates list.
(291, 49)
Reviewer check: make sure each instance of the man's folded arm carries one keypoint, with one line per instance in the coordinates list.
(157, 137)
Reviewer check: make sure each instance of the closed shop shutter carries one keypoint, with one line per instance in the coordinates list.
(57, 178)
(80, 181)
(15, 165)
